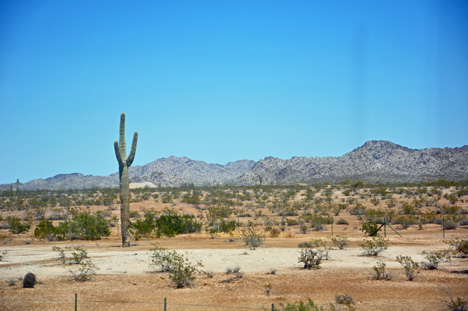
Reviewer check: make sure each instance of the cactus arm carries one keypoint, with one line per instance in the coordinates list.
(131, 156)
(117, 153)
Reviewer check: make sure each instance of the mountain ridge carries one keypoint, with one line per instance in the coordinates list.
(376, 161)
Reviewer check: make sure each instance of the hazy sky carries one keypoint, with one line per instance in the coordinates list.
(220, 81)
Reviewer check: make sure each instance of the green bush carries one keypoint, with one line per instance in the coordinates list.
(411, 267)
(340, 241)
(181, 271)
(252, 238)
(173, 224)
(16, 226)
(46, 230)
(311, 258)
(86, 270)
(375, 246)
(301, 306)
(459, 247)
(369, 228)
(224, 226)
(83, 226)
(380, 271)
(434, 258)
(143, 227)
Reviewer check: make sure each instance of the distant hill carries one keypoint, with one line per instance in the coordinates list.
(375, 162)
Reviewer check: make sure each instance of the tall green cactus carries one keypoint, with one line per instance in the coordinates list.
(124, 163)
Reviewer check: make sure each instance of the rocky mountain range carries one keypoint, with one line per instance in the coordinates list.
(375, 162)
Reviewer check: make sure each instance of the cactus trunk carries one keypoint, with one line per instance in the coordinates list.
(124, 164)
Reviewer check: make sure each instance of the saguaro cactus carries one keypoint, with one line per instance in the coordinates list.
(124, 164)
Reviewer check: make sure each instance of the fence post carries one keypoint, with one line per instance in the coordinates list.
(165, 303)
(272, 307)
(76, 302)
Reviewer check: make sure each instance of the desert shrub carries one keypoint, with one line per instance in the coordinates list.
(303, 228)
(301, 306)
(143, 227)
(450, 225)
(311, 258)
(464, 222)
(457, 303)
(343, 300)
(16, 226)
(252, 238)
(274, 232)
(83, 226)
(172, 224)
(369, 228)
(76, 255)
(85, 271)
(375, 246)
(434, 258)
(340, 241)
(3, 254)
(411, 268)
(181, 271)
(459, 247)
(305, 245)
(224, 226)
(45, 230)
(379, 271)
(342, 221)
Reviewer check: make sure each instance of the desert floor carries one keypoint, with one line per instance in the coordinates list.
(125, 280)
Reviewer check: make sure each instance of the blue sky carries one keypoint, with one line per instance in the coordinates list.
(220, 81)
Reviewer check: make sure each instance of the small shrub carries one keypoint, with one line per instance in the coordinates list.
(310, 258)
(450, 225)
(375, 246)
(459, 247)
(369, 228)
(252, 238)
(267, 288)
(3, 254)
(411, 267)
(46, 230)
(301, 306)
(16, 226)
(380, 271)
(346, 300)
(457, 303)
(342, 221)
(181, 271)
(274, 233)
(86, 270)
(434, 258)
(272, 271)
(209, 274)
(77, 255)
(340, 241)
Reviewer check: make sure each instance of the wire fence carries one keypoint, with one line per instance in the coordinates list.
(164, 305)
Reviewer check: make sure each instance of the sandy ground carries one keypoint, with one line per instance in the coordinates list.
(45, 263)
(125, 279)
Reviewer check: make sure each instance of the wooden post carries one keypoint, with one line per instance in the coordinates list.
(165, 304)
(76, 302)
(272, 307)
